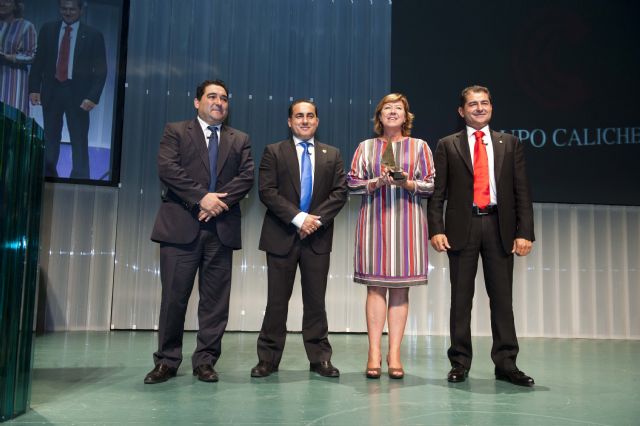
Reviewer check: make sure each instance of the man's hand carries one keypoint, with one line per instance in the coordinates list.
(521, 247)
(87, 105)
(34, 98)
(440, 242)
(212, 205)
(204, 216)
(309, 226)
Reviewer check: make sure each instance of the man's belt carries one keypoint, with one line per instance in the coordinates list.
(490, 209)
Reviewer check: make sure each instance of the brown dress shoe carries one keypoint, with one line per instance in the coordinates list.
(160, 373)
(516, 377)
(457, 374)
(263, 369)
(324, 368)
(205, 373)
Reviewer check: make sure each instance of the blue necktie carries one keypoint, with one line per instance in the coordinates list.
(306, 180)
(213, 158)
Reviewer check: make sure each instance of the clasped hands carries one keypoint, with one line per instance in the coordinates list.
(211, 205)
(386, 179)
(310, 225)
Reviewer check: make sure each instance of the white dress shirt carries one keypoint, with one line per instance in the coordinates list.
(298, 220)
(486, 139)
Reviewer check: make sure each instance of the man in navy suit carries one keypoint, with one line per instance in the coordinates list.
(302, 183)
(205, 168)
(67, 78)
(489, 214)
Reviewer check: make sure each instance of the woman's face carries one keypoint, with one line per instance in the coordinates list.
(392, 115)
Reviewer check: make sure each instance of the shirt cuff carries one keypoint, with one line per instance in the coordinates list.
(298, 220)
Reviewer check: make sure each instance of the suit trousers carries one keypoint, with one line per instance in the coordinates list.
(497, 266)
(281, 275)
(178, 266)
(62, 102)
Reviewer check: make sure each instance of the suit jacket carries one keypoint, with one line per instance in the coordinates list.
(89, 63)
(183, 167)
(454, 181)
(279, 186)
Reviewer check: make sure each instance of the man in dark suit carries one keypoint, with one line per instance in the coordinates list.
(302, 183)
(206, 168)
(489, 213)
(67, 78)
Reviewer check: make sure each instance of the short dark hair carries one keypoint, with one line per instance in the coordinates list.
(79, 3)
(475, 88)
(202, 86)
(302, 101)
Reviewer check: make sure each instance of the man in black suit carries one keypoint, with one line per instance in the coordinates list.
(489, 213)
(67, 78)
(302, 183)
(206, 168)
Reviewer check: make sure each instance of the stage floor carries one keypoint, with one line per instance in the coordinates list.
(96, 378)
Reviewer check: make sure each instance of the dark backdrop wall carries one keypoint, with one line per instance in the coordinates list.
(563, 75)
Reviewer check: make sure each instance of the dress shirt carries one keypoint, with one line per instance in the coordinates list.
(489, 146)
(207, 132)
(298, 220)
(73, 36)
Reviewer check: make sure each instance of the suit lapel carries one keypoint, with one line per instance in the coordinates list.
(224, 146)
(498, 153)
(462, 146)
(320, 154)
(55, 34)
(197, 139)
(80, 39)
(290, 155)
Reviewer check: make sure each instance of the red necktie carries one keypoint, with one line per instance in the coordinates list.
(480, 172)
(62, 66)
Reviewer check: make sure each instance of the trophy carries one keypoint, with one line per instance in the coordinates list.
(389, 162)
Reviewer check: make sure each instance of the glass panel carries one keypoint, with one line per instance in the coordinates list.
(21, 165)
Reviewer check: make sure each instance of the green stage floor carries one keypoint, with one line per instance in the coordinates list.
(96, 378)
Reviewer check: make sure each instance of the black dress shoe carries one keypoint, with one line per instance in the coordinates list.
(324, 368)
(263, 369)
(457, 374)
(516, 377)
(160, 373)
(205, 373)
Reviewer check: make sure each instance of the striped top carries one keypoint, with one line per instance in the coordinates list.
(391, 232)
(18, 38)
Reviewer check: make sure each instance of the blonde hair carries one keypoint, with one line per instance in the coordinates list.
(393, 97)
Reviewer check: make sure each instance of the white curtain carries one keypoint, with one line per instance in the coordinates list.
(100, 271)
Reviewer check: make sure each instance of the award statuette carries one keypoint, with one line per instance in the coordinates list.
(389, 162)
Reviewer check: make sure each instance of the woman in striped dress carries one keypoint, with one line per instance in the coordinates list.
(391, 232)
(17, 49)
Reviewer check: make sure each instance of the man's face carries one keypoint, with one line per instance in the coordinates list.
(70, 11)
(303, 121)
(477, 110)
(213, 106)
(7, 7)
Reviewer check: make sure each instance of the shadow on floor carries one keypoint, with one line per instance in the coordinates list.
(58, 381)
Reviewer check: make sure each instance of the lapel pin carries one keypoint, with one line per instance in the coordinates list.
(500, 141)
(324, 151)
